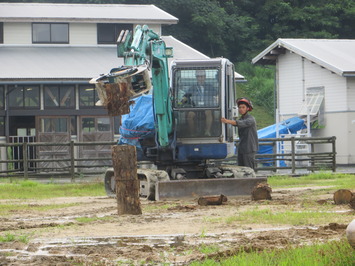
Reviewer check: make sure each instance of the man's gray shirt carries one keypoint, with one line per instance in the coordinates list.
(248, 136)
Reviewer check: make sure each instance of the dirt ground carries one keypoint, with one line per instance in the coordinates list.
(88, 230)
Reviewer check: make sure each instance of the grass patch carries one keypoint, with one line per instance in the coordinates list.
(208, 249)
(92, 219)
(266, 216)
(320, 215)
(6, 209)
(12, 238)
(337, 181)
(332, 253)
(33, 190)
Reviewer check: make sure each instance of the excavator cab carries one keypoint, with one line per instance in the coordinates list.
(203, 92)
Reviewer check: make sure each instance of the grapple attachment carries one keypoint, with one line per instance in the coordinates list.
(117, 88)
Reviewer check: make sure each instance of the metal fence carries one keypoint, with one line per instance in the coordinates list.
(33, 158)
(294, 153)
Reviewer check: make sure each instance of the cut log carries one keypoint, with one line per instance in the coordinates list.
(124, 163)
(342, 196)
(352, 202)
(212, 200)
(261, 191)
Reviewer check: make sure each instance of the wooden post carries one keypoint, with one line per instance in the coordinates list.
(293, 151)
(124, 162)
(25, 160)
(72, 161)
(334, 154)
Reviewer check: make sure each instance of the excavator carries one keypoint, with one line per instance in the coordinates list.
(180, 141)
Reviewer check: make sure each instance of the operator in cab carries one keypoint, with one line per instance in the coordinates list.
(200, 95)
(248, 136)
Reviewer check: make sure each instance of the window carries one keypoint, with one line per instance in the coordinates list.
(1, 32)
(2, 126)
(108, 33)
(2, 97)
(196, 88)
(23, 96)
(51, 125)
(95, 124)
(314, 106)
(50, 33)
(87, 96)
(59, 96)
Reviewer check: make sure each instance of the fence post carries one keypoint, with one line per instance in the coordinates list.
(72, 161)
(334, 153)
(312, 158)
(25, 160)
(293, 155)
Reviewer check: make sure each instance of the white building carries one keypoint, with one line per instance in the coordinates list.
(316, 78)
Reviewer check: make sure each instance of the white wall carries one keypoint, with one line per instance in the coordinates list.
(83, 34)
(17, 33)
(295, 76)
(290, 93)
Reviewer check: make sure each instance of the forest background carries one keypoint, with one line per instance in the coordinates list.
(240, 29)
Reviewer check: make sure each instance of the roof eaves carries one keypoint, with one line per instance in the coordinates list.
(257, 59)
(264, 57)
(93, 20)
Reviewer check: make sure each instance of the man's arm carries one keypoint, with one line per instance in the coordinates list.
(228, 121)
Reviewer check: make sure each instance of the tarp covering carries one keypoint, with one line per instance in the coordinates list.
(289, 126)
(139, 122)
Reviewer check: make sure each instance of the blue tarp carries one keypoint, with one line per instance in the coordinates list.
(139, 122)
(289, 126)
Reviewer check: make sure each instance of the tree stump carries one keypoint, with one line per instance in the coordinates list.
(212, 200)
(124, 162)
(342, 196)
(261, 191)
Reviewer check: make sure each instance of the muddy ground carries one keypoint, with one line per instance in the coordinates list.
(88, 230)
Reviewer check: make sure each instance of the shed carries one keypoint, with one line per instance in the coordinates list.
(315, 78)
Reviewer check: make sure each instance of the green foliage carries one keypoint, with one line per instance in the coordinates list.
(260, 90)
(331, 253)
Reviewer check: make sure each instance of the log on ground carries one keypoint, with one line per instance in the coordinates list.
(342, 196)
(261, 191)
(212, 200)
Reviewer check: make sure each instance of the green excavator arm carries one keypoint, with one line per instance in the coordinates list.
(145, 56)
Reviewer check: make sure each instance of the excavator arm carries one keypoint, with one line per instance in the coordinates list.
(145, 56)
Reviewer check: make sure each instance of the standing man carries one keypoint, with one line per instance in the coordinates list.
(248, 136)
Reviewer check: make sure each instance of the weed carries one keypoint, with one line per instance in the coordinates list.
(8, 237)
(208, 249)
